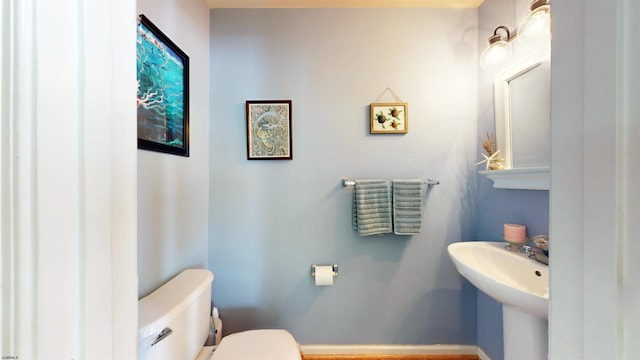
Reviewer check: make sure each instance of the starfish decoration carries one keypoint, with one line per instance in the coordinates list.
(489, 159)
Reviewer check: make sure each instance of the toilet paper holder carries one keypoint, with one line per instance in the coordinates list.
(334, 268)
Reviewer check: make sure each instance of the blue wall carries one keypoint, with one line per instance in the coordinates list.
(173, 201)
(282, 216)
(270, 220)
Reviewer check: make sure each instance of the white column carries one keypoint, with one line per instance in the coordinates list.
(566, 194)
(594, 210)
(68, 179)
(630, 165)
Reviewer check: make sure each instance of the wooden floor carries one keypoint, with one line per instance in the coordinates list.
(388, 357)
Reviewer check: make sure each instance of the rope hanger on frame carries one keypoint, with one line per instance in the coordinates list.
(395, 96)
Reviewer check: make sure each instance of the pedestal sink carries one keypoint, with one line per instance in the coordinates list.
(519, 283)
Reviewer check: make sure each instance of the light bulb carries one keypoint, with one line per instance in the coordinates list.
(535, 31)
(496, 55)
(537, 25)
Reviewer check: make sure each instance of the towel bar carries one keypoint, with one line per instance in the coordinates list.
(347, 182)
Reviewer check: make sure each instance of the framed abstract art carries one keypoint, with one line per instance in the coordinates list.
(163, 92)
(269, 130)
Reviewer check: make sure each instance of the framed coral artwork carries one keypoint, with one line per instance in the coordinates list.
(389, 118)
(163, 92)
(269, 130)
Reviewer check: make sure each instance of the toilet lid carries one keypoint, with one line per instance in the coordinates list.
(258, 345)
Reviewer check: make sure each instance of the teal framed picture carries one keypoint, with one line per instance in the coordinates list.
(163, 91)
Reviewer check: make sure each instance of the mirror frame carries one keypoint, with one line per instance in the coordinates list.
(530, 178)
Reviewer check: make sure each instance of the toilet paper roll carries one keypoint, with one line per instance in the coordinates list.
(324, 275)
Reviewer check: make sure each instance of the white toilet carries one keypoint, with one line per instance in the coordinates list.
(173, 323)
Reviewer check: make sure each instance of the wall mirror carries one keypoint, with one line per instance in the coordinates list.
(522, 116)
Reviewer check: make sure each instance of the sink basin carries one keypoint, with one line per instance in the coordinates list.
(511, 278)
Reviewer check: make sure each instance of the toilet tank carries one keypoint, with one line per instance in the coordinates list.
(173, 321)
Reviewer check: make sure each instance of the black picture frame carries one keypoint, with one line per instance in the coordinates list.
(163, 91)
(269, 132)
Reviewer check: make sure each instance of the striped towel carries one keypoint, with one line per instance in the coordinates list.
(407, 206)
(372, 207)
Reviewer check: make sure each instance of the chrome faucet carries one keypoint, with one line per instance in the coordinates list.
(539, 251)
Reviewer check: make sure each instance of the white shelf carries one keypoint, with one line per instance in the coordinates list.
(536, 178)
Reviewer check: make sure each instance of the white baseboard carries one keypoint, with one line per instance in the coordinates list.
(482, 355)
(395, 350)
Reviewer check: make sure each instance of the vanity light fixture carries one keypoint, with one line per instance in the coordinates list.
(535, 30)
(499, 50)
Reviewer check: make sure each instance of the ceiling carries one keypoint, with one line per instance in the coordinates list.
(217, 4)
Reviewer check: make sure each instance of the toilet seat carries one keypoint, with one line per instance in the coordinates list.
(273, 344)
